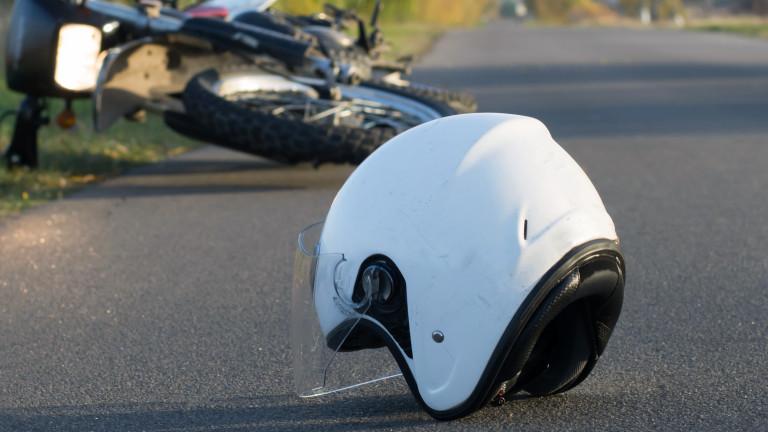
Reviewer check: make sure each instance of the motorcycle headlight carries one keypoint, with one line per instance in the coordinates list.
(77, 57)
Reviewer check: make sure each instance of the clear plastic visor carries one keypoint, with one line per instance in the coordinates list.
(327, 324)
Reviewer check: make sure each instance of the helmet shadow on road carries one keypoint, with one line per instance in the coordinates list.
(285, 413)
(273, 413)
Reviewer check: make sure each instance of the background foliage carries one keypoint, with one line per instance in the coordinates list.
(565, 11)
(444, 12)
(663, 9)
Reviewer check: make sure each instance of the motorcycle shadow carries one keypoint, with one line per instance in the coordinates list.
(210, 171)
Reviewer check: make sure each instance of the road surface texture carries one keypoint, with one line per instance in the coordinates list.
(160, 301)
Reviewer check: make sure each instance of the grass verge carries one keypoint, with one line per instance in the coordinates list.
(410, 38)
(745, 26)
(72, 159)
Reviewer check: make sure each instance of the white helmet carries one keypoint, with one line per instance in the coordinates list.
(476, 252)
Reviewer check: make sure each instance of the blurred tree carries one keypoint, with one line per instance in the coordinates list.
(660, 9)
(631, 7)
(669, 9)
(448, 12)
(561, 11)
(552, 11)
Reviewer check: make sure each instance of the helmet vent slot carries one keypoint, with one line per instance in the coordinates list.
(525, 229)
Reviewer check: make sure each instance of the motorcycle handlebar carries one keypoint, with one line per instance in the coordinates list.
(228, 34)
(282, 47)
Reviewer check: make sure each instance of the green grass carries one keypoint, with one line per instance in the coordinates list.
(72, 159)
(410, 38)
(752, 27)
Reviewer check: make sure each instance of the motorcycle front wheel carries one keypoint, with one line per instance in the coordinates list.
(289, 120)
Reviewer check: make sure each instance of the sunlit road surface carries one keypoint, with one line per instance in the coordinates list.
(160, 301)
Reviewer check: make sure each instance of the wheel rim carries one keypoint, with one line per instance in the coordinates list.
(359, 106)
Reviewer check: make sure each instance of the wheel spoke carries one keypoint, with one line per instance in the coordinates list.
(353, 112)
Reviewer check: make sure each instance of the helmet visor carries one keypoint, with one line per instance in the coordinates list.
(328, 325)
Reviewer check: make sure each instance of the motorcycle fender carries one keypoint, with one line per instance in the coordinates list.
(144, 74)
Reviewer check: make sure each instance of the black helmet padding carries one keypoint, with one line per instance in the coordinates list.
(569, 331)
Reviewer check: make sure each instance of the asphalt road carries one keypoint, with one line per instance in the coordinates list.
(160, 301)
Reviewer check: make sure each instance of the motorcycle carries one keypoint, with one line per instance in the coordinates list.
(330, 28)
(235, 83)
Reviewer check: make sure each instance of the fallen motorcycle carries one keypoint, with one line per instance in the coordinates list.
(331, 29)
(232, 83)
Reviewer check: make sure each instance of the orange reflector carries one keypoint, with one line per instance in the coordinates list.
(66, 119)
